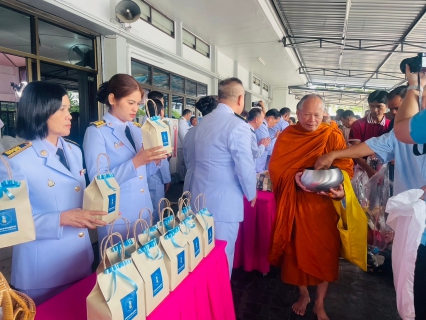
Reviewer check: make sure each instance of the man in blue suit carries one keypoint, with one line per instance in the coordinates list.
(224, 166)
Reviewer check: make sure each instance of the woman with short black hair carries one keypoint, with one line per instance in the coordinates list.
(53, 169)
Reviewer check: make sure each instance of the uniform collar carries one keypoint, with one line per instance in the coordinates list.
(113, 122)
(222, 106)
(371, 121)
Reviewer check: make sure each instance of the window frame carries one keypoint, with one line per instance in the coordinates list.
(196, 40)
(151, 7)
(267, 87)
(255, 80)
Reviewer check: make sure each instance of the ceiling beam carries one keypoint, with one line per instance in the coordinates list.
(351, 73)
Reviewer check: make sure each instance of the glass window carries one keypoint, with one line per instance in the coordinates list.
(256, 81)
(162, 22)
(177, 104)
(188, 39)
(191, 88)
(190, 104)
(145, 11)
(203, 48)
(66, 46)
(141, 72)
(166, 105)
(15, 30)
(265, 87)
(201, 90)
(178, 84)
(161, 79)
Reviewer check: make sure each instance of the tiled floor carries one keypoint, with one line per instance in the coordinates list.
(355, 296)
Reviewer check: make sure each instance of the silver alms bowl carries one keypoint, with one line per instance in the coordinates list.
(321, 180)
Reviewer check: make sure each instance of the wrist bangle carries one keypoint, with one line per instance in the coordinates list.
(416, 87)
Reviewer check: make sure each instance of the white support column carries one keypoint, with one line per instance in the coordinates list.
(179, 38)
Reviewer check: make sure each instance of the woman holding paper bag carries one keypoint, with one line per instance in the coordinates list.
(121, 139)
(53, 169)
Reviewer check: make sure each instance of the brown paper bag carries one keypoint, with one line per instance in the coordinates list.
(169, 222)
(114, 251)
(151, 232)
(149, 260)
(103, 194)
(118, 293)
(155, 133)
(174, 246)
(16, 219)
(189, 229)
(184, 204)
(205, 224)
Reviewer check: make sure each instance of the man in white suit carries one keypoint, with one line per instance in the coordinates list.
(224, 166)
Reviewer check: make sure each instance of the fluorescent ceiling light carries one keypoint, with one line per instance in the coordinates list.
(262, 61)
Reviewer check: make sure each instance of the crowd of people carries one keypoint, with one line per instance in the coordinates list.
(219, 156)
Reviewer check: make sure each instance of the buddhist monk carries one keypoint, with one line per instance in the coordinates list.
(306, 241)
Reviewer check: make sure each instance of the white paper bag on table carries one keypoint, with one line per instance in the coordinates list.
(189, 229)
(143, 237)
(174, 246)
(184, 205)
(155, 133)
(168, 222)
(103, 194)
(114, 251)
(149, 260)
(118, 293)
(205, 224)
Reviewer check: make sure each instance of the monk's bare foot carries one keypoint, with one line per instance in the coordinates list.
(299, 307)
(319, 311)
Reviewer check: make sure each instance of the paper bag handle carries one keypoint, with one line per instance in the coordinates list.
(167, 204)
(183, 203)
(150, 216)
(109, 237)
(135, 225)
(147, 109)
(187, 194)
(197, 202)
(8, 169)
(111, 226)
(97, 162)
(162, 218)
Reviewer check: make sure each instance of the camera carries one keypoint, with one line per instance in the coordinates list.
(416, 63)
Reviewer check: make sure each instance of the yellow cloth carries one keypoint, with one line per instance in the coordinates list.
(353, 227)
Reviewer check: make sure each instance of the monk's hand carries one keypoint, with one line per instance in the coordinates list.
(335, 194)
(297, 178)
(325, 161)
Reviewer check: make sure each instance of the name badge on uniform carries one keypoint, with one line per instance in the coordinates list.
(118, 144)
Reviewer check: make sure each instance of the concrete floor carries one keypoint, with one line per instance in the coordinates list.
(355, 296)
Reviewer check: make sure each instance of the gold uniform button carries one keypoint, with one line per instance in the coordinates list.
(142, 190)
(141, 177)
(81, 234)
(77, 188)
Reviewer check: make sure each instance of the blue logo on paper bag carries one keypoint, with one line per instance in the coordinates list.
(111, 202)
(181, 261)
(196, 246)
(8, 222)
(210, 235)
(129, 305)
(157, 282)
(165, 138)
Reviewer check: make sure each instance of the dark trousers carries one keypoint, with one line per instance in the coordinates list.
(420, 284)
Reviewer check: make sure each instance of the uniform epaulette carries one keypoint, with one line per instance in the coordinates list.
(241, 117)
(137, 124)
(98, 124)
(72, 142)
(252, 130)
(17, 149)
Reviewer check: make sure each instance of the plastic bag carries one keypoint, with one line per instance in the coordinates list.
(359, 181)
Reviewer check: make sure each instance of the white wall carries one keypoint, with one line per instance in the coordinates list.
(244, 76)
(8, 75)
(225, 66)
(281, 98)
(196, 57)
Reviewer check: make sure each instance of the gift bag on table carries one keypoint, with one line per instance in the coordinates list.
(103, 194)
(174, 246)
(205, 224)
(114, 251)
(151, 232)
(184, 205)
(149, 260)
(189, 229)
(155, 133)
(168, 222)
(118, 293)
(16, 218)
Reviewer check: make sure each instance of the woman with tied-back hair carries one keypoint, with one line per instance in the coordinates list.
(52, 167)
(121, 139)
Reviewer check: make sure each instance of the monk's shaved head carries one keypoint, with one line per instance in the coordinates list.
(310, 111)
(308, 97)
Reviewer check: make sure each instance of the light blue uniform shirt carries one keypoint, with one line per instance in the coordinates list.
(189, 149)
(410, 170)
(280, 126)
(255, 148)
(262, 133)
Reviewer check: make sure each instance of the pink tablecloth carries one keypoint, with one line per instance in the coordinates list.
(204, 294)
(254, 235)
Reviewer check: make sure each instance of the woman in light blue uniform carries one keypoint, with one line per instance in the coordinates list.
(157, 181)
(53, 169)
(205, 105)
(121, 139)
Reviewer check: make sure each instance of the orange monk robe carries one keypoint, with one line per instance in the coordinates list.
(306, 241)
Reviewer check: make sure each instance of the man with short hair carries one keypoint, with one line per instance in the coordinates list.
(279, 127)
(271, 119)
(255, 120)
(183, 128)
(395, 98)
(348, 118)
(339, 117)
(193, 121)
(306, 242)
(224, 167)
